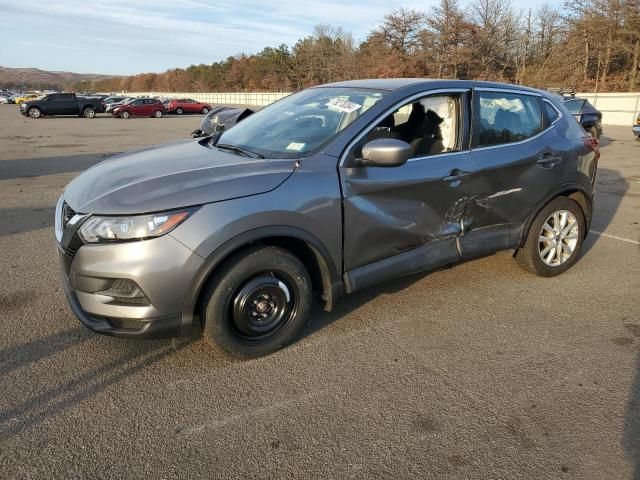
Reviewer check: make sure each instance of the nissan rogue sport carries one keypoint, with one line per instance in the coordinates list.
(325, 192)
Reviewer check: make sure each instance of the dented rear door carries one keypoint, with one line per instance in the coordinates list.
(391, 210)
(517, 162)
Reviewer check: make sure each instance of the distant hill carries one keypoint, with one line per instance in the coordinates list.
(41, 79)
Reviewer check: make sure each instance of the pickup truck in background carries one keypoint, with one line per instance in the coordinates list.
(61, 104)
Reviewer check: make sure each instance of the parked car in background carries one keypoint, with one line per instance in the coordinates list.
(20, 99)
(61, 104)
(112, 99)
(140, 107)
(220, 119)
(4, 99)
(589, 116)
(187, 105)
(328, 191)
(636, 128)
(110, 107)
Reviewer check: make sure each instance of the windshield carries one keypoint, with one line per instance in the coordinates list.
(574, 106)
(302, 123)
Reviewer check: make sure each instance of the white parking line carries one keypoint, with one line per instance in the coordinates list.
(622, 239)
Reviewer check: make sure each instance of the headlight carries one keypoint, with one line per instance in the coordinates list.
(138, 227)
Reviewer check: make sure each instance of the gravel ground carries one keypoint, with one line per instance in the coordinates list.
(478, 371)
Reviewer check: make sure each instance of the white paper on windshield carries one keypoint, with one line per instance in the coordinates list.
(296, 147)
(341, 105)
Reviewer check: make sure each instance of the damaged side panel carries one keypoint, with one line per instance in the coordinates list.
(388, 211)
(508, 182)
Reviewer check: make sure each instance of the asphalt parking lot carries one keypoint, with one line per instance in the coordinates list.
(478, 371)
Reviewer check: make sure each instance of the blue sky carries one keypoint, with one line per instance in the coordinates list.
(124, 37)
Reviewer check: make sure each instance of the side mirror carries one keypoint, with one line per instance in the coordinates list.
(385, 152)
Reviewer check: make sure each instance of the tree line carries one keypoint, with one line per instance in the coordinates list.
(590, 45)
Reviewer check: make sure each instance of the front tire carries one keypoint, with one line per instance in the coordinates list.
(554, 240)
(125, 114)
(179, 111)
(34, 112)
(257, 303)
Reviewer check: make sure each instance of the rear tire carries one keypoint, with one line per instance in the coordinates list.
(257, 302)
(204, 111)
(34, 112)
(179, 111)
(554, 240)
(88, 112)
(157, 114)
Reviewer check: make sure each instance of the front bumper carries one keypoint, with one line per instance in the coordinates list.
(163, 269)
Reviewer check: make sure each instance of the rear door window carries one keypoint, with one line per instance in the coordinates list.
(502, 118)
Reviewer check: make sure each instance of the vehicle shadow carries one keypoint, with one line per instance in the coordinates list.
(39, 407)
(611, 187)
(320, 319)
(631, 435)
(604, 141)
(22, 219)
(35, 167)
(18, 356)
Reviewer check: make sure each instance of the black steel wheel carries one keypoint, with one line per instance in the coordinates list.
(257, 302)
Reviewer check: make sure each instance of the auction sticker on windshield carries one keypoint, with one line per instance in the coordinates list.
(341, 105)
(296, 147)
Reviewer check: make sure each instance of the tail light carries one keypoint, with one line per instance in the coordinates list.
(592, 143)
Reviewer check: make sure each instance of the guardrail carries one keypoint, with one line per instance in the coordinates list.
(616, 108)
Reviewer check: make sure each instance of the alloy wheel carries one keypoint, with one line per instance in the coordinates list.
(558, 238)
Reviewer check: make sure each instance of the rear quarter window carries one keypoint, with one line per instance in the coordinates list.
(552, 113)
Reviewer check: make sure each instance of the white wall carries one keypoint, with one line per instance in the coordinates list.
(242, 98)
(616, 108)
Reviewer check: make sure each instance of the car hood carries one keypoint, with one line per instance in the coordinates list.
(171, 176)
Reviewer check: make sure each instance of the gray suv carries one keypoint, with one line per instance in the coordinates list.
(325, 192)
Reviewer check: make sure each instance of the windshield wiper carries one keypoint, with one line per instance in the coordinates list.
(243, 151)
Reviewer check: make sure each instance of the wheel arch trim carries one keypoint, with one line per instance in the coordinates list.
(332, 284)
(573, 190)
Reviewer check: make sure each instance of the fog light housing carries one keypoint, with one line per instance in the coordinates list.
(123, 290)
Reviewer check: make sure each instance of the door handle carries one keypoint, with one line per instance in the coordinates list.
(455, 175)
(548, 160)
